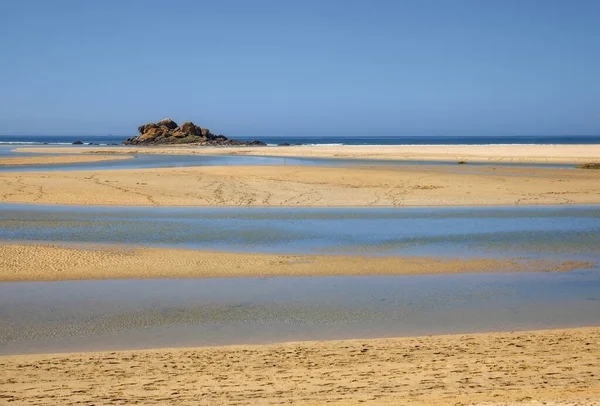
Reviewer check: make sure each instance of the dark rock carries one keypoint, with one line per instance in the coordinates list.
(179, 134)
(168, 123)
(168, 132)
(284, 144)
(146, 127)
(190, 128)
(77, 142)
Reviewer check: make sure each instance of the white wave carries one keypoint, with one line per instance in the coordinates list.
(20, 143)
(446, 145)
(324, 145)
(33, 143)
(423, 145)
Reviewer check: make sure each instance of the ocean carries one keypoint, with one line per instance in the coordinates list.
(325, 140)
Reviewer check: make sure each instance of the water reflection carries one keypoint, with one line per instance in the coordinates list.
(84, 315)
(550, 230)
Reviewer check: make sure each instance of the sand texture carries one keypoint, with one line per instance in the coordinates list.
(469, 153)
(52, 263)
(525, 368)
(67, 159)
(382, 186)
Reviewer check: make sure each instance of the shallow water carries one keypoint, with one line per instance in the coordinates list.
(317, 139)
(177, 161)
(450, 231)
(103, 315)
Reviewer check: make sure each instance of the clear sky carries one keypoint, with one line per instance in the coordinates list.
(315, 67)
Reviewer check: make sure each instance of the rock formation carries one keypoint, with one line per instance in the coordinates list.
(168, 132)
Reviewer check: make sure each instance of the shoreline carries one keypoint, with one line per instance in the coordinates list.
(257, 207)
(305, 186)
(558, 365)
(51, 262)
(539, 153)
(57, 160)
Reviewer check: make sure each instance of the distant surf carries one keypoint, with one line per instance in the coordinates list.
(325, 140)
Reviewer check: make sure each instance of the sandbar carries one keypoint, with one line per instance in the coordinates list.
(306, 186)
(58, 159)
(36, 262)
(569, 154)
(560, 367)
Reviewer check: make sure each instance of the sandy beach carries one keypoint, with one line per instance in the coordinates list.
(300, 203)
(452, 153)
(53, 160)
(54, 263)
(560, 367)
(306, 186)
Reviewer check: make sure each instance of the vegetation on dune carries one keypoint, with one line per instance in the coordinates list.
(592, 165)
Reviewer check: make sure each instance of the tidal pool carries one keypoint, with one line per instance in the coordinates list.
(452, 231)
(132, 314)
(104, 315)
(175, 161)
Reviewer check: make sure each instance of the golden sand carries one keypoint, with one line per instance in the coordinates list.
(377, 186)
(453, 153)
(560, 367)
(66, 159)
(52, 263)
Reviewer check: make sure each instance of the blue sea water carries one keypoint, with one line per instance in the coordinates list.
(60, 139)
(326, 140)
(431, 140)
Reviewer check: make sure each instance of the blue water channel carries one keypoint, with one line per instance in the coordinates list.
(548, 230)
(110, 314)
(134, 314)
(182, 160)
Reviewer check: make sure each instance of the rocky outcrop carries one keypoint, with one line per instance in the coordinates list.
(167, 131)
(167, 122)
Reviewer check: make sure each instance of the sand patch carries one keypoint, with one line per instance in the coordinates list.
(55, 160)
(305, 186)
(560, 367)
(452, 153)
(53, 263)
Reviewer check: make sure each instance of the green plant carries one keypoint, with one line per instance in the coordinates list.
(592, 165)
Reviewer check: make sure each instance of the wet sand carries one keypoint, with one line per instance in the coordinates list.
(560, 367)
(472, 153)
(305, 186)
(56, 160)
(54, 263)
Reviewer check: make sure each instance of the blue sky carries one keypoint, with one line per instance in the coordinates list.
(339, 67)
